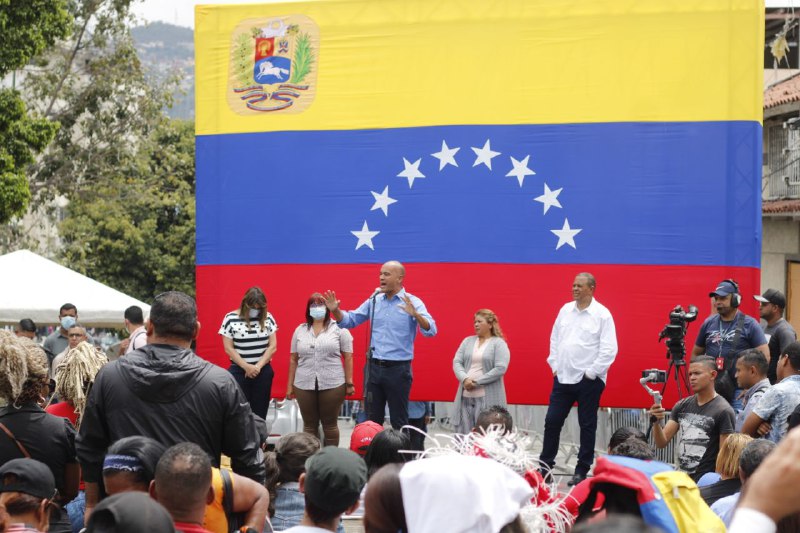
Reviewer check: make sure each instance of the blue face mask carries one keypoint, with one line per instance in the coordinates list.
(67, 322)
(254, 313)
(317, 312)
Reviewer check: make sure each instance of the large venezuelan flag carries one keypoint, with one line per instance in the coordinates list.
(497, 148)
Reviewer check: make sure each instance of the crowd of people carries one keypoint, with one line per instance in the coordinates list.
(159, 439)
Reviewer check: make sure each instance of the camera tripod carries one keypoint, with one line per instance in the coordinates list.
(679, 369)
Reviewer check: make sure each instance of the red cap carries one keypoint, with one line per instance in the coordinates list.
(362, 436)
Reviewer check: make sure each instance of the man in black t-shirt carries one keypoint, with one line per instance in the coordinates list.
(705, 420)
(778, 331)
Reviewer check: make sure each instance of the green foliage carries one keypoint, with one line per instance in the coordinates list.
(243, 60)
(127, 173)
(136, 232)
(303, 58)
(28, 27)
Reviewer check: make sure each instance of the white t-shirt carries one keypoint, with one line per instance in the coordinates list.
(249, 340)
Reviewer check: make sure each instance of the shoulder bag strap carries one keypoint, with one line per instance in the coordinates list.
(227, 491)
(18, 443)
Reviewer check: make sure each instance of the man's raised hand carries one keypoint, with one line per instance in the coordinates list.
(330, 301)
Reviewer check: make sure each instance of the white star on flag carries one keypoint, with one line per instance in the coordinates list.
(520, 169)
(382, 201)
(365, 236)
(566, 235)
(484, 155)
(447, 156)
(549, 198)
(411, 171)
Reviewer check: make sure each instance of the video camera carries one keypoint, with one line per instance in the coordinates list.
(675, 331)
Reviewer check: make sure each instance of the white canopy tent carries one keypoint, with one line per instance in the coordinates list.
(34, 287)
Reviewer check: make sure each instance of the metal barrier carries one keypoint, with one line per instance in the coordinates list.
(529, 419)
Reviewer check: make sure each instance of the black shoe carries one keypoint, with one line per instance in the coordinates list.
(577, 478)
(547, 475)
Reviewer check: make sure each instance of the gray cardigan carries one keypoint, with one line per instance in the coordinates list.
(495, 364)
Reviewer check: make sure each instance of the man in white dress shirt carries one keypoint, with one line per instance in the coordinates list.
(583, 345)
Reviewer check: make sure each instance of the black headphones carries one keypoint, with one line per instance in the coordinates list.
(736, 298)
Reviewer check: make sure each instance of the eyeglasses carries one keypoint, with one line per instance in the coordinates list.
(75, 335)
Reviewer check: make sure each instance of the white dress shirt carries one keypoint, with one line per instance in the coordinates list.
(583, 343)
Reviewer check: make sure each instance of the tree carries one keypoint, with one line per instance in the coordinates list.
(28, 28)
(126, 172)
(136, 232)
(94, 85)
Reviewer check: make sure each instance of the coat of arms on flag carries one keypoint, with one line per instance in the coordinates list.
(273, 65)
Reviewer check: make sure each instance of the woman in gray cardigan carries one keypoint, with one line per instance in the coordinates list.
(479, 365)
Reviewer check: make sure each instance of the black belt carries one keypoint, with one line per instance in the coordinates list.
(388, 363)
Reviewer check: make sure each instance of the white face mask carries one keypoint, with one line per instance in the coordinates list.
(317, 312)
(254, 313)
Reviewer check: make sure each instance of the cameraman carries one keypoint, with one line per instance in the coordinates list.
(724, 335)
(705, 420)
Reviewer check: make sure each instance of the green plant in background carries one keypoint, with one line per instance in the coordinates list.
(303, 58)
(243, 59)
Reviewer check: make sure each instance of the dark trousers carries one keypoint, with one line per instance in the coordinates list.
(417, 438)
(257, 390)
(587, 394)
(389, 384)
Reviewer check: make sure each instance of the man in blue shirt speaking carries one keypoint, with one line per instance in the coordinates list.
(395, 316)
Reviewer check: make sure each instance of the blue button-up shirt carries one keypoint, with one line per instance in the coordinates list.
(393, 330)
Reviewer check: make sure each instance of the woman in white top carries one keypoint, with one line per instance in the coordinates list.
(248, 336)
(479, 365)
(317, 377)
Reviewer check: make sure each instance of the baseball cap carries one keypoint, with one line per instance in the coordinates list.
(334, 478)
(772, 296)
(724, 289)
(362, 436)
(130, 512)
(31, 477)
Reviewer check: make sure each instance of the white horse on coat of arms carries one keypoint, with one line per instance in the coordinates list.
(268, 69)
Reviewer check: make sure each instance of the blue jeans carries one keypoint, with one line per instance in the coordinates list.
(257, 390)
(76, 509)
(389, 384)
(587, 393)
(290, 505)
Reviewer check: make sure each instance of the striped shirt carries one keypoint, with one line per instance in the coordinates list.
(249, 340)
(319, 357)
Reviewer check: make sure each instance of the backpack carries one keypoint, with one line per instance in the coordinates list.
(666, 498)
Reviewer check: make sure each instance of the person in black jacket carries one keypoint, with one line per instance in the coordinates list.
(166, 392)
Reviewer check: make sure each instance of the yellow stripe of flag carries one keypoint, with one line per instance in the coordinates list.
(391, 63)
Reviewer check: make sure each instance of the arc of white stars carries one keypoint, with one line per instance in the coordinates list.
(365, 237)
(520, 169)
(484, 155)
(566, 235)
(382, 201)
(411, 171)
(446, 156)
(549, 198)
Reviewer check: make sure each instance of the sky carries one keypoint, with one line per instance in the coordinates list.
(179, 12)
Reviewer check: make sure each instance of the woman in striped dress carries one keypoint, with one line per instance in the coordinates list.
(248, 336)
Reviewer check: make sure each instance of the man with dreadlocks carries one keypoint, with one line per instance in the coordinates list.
(27, 430)
(74, 376)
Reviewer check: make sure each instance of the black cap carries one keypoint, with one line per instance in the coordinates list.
(31, 477)
(130, 512)
(772, 296)
(334, 478)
